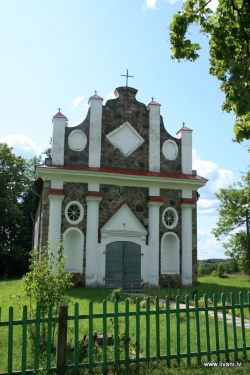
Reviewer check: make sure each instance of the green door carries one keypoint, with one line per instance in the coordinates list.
(123, 265)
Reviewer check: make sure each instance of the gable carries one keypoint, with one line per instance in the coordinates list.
(124, 222)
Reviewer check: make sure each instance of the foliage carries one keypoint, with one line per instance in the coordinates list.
(229, 34)
(204, 269)
(16, 175)
(220, 269)
(232, 211)
(46, 284)
(115, 294)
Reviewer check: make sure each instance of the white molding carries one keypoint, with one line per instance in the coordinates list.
(79, 205)
(79, 137)
(175, 218)
(167, 150)
(57, 149)
(95, 130)
(154, 138)
(69, 175)
(187, 245)
(125, 138)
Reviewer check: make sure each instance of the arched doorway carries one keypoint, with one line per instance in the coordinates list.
(123, 265)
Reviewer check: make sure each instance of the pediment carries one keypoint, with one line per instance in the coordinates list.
(124, 221)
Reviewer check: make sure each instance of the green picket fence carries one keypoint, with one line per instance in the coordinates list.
(158, 331)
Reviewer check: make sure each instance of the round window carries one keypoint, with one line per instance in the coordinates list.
(170, 217)
(74, 212)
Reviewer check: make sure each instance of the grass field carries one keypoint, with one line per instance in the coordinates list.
(209, 285)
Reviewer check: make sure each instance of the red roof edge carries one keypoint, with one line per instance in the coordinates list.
(56, 191)
(154, 198)
(94, 194)
(187, 201)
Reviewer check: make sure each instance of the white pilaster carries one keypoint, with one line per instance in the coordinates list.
(186, 276)
(59, 124)
(185, 134)
(153, 240)
(154, 136)
(56, 197)
(93, 200)
(95, 131)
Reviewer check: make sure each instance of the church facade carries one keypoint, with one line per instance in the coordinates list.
(121, 192)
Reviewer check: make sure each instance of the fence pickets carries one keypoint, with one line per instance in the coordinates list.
(138, 334)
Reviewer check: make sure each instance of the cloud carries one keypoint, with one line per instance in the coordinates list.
(151, 4)
(111, 95)
(208, 246)
(21, 142)
(77, 122)
(213, 5)
(218, 178)
(77, 101)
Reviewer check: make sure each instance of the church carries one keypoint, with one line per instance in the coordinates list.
(121, 192)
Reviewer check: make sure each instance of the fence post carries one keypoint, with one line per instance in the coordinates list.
(61, 338)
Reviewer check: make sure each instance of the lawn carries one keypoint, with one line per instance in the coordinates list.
(10, 289)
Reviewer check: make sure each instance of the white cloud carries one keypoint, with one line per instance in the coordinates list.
(151, 4)
(21, 141)
(208, 246)
(213, 5)
(77, 101)
(77, 122)
(218, 178)
(111, 95)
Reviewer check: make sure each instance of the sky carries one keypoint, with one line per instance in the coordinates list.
(55, 53)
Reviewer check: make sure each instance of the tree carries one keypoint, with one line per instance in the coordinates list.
(16, 177)
(228, 29)
(232, 211)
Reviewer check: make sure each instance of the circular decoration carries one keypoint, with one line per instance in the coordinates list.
(170, 149)
(77, 140)
(170, 217)
(74, 212)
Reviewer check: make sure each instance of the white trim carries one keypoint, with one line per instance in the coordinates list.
(154, 138)
(79, 205)
(124, 145)
(166, 152)
(95, 130)
(69, 175)
(175, 217)
(82, 139)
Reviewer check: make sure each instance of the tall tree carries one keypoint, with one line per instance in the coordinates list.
(16, 177)
(232, 211)
(228, 29)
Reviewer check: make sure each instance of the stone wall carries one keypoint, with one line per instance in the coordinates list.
(115, 113)
(113, 196)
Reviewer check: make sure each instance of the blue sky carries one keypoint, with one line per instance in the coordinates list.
(57, 52)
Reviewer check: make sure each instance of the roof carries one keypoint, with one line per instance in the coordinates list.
(184, 128)
(127, 172)
(153, 103)
(60, 115)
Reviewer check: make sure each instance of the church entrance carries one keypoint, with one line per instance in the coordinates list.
(123, 265)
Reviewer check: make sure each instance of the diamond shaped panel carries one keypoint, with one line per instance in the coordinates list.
(125, 138)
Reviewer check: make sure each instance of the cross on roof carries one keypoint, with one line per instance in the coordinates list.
(183, 123)
(127, 76)
(152, 98)
(59, 109)
(95, 92)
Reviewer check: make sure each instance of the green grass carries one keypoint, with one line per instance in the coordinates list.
(209, 285)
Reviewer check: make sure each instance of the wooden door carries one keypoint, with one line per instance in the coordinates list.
(123, 265)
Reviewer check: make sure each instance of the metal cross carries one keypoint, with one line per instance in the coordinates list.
(95, 92)
(59, 109)
(152, 99)
(126, 75)
(183, 123)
